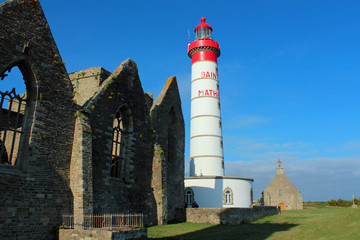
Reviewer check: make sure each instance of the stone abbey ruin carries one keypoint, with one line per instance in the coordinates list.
(88, 142)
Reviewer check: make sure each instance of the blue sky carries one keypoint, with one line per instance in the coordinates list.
(289, 77)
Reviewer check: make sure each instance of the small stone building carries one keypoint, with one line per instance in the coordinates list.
(281, 192)
(90, 142)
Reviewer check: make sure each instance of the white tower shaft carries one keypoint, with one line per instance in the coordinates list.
(206, 147)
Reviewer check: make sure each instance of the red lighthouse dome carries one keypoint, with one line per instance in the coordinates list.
(203, 24)
(203, 48)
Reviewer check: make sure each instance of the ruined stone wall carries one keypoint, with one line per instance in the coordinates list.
(168, 162)
(100, 234)
(130, 191)
(229, 216)
(81, 169)
(87, 82)
(64, 164)
(150, 179)
(35, 191)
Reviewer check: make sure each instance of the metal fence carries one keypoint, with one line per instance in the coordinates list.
(106, 221)
(12, 109)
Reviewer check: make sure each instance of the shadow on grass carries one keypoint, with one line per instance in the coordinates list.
(243, 231)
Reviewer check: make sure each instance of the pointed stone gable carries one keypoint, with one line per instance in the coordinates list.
(282, 192)
(168, 162)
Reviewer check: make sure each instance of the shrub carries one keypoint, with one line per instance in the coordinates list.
(340, 203)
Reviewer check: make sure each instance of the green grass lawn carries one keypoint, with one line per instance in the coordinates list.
(316, 223)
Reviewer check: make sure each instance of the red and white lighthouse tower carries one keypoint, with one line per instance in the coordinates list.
(206, 146)
(207, 184)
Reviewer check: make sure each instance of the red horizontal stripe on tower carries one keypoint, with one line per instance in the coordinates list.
(204, 55)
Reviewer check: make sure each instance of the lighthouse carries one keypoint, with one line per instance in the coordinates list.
(207, 184)
(206, 146)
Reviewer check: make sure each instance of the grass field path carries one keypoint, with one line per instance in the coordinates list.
(322, 223)
(325, 223)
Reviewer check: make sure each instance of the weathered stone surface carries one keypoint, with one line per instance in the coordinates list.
(281, 192)
(99, 234)
(81, 179)
(229, 216)
(130, 191)
(35, 192)
(64, 164)
(168, 162)
(87, 82)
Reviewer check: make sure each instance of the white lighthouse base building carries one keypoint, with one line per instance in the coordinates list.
(219, 191)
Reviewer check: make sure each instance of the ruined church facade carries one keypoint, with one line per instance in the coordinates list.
(282, 192)
(89, 142)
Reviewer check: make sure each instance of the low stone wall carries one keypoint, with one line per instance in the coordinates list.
(230, 216)
(101, 234)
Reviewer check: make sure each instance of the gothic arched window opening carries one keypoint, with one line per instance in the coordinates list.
(12, 106)
(122, 125)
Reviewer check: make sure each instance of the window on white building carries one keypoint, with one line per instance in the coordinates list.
(228, 197)
(189, 196)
